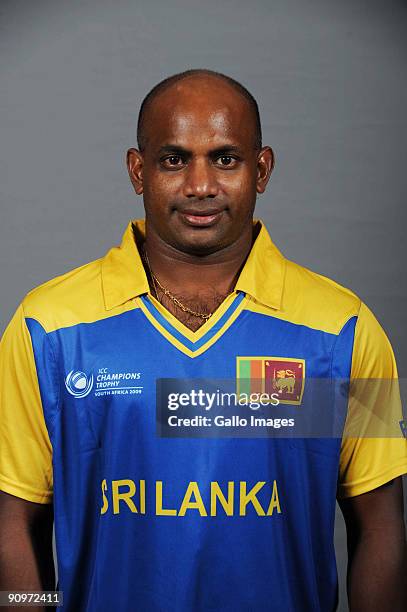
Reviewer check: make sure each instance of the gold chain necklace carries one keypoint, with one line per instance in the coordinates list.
(168, 293)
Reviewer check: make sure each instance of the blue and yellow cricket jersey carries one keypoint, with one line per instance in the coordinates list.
(193, 524)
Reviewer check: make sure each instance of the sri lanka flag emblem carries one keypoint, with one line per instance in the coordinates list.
(283, 376)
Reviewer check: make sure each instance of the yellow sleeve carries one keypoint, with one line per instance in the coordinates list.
(373, 449)
(25, 447)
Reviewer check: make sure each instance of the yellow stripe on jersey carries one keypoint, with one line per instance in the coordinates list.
(369, 462)
(26, 451)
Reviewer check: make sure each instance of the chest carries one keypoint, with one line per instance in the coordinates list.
(111, 372)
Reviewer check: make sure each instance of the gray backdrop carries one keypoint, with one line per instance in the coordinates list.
(330, 80)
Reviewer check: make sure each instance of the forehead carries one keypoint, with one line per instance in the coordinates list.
(200, 112)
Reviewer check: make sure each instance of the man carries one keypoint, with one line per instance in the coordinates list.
(197, 291)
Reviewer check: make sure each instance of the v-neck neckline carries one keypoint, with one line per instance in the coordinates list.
(192, 343)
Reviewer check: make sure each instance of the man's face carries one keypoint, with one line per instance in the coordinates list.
(199, 172)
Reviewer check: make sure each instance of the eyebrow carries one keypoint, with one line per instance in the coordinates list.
(172, 148)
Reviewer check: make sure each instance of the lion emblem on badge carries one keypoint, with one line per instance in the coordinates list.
(285, 381)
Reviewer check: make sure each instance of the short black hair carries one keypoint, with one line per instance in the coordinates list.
(162, 85)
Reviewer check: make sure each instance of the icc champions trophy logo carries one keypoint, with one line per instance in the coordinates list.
(78, 383)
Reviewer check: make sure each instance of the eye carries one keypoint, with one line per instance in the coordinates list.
(227, 160)
(172, 161)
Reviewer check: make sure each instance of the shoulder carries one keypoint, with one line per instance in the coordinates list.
(71, 298)
(324, 304)
(319, 295)
(314, 300)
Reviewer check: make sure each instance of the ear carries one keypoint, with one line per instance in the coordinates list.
(134, 161)
(265, 165)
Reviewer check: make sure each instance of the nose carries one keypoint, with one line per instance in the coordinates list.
(200, 180)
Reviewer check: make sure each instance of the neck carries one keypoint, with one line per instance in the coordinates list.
(188, 274)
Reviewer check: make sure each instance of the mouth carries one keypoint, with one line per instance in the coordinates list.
(200, 218)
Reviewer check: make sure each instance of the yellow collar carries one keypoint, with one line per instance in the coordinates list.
(124, 278)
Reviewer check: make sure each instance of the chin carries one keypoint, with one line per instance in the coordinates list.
(199, 243)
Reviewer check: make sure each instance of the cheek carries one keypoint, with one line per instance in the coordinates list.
(240, 184)
(160, 187)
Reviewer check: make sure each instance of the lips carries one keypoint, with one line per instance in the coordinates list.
(200, 218)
